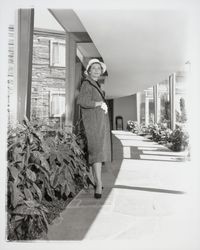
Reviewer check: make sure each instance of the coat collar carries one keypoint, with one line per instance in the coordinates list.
(94, 82)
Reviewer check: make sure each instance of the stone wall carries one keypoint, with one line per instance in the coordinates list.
(11, 92)
(44, 77)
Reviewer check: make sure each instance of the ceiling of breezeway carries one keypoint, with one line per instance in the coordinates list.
(139, 47)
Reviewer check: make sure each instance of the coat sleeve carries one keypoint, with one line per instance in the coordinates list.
(85, 96)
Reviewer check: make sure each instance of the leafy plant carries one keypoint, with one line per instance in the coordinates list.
(130, 125)
(160, 133)
(179, 139)
(43, 163)
(27, 220)
(176, 140)
(133, 126)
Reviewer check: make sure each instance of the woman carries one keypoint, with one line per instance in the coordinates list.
(95, 120)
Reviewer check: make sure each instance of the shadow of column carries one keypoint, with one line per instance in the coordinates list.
(77, 221)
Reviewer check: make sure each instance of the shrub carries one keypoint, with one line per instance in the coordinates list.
(179, 139)
(42, 162)
(132, 126)
(160, 133)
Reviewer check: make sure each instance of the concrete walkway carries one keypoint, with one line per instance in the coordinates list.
(145, 199)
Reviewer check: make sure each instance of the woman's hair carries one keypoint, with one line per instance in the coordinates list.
(91, 66)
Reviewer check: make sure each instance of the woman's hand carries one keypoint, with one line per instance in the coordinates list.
(104, 107)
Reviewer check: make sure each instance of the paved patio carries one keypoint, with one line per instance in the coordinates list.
(146, 199)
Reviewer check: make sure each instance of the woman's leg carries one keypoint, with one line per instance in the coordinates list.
(94, 175)
(97, 175)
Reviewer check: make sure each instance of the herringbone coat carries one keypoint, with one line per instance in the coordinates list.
(95, 121)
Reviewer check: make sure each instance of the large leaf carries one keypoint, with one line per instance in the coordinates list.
(44, 162)
(69, 174)
(67, 190)
(16, 195)
(30, 175)
(44, 171)
(30, 225)
(73, 163)
(61, 179)
(32, 203)
(48, 188)
(26, 210)
(60, 157)
(18, 154)
(44, 221)
(54, 176)
(62, 190)
(14, 172)
(28, 194)
(14, 144)
(72, 188)
(36, 136)
(18, 218)
(55, 181)
(52, 158)
(66, 156)
(43, 208)
(38, 191)
(14, 224)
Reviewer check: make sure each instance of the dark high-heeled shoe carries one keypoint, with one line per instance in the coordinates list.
(97, 196)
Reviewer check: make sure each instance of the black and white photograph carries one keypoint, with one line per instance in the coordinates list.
(99, 132)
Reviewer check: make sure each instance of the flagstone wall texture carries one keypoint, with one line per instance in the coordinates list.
(11, 100)
(44, 77)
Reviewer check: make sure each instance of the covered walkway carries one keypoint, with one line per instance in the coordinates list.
(145, 198)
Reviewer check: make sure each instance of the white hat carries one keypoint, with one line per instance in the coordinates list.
(92, 61)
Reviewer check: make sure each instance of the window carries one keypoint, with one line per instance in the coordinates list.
(57, 103)
(57, 53)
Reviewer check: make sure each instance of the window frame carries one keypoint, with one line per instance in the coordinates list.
(55, 92)
(51, 54)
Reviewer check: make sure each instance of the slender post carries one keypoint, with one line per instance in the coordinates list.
(138, 107)
(146, 111)
(172, 82)
(155, 97)
(70, 80)
(24, 61)
(76, 116)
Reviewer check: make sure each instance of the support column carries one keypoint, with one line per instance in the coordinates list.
(172, 82)
(155, 97)
(146, 111)
(24, 61)
(138, 107)
(70, 80)
(158, 109)
(76, 116)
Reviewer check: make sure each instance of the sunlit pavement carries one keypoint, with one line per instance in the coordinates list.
(146, 199)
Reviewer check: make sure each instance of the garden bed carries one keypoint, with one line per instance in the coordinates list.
(176, 140)
(46, 169)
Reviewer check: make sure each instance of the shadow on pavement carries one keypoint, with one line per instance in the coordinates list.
(81, 214)
(158, 190)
